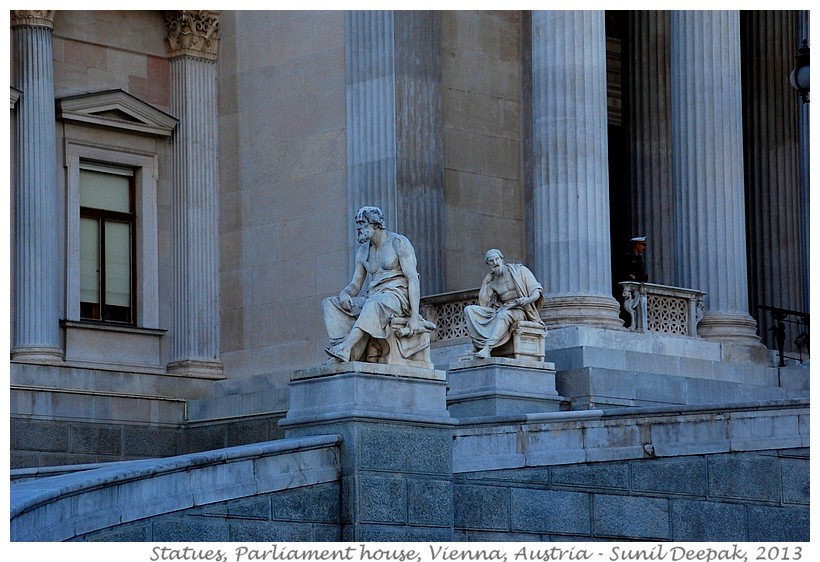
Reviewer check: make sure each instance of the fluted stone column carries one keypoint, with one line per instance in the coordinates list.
(707, 136)
(395, 154)
(568, 223)
(36, 330)
(650, 140)
(772, 163)
(192, 47)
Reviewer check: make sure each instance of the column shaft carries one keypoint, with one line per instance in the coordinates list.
(195, 220)
(772, 168)
(36, 332)
(650, 147)
(710, 236)
(395, 133)
(568, 226)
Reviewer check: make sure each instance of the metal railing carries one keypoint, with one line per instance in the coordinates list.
(785, 330)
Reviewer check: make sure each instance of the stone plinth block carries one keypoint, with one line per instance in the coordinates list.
(361, 390)
(526, 342)
(499, 386)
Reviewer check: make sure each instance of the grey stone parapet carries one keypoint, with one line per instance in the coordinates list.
(558, 438)
(83, 502)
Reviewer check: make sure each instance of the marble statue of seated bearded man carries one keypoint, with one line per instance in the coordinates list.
(508, 294)
(389, 259)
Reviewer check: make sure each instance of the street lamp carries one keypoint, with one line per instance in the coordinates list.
(800, 75)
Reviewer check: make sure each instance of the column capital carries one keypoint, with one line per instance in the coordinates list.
(37, 18)
(193, 33)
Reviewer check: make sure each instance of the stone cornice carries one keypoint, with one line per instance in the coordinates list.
(41, 18)
(193, 33)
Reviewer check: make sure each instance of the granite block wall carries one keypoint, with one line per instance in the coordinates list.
(756, 496)
(396, 482)
(308, 514)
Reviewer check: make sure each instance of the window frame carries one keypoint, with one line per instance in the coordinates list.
(145, 290)
(104, 216)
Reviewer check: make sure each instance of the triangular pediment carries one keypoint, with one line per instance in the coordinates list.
(118, 110)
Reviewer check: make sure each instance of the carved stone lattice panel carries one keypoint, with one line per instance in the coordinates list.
(450, 320)
(667, 314)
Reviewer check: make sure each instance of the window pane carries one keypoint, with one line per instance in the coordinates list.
(117, 266)
(105, 191)
(89, 267)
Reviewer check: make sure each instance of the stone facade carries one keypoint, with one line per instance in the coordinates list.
(250, 138)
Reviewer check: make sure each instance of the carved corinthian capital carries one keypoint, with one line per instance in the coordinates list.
(193, 33)
(41, 18)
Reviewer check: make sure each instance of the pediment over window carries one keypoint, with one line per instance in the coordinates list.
(116, 109)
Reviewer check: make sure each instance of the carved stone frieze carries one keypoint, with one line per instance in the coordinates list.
(42, 18)
(193, 33)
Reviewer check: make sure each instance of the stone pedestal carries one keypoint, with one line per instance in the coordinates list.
(526, 342)
(397, 482)
(499, 386)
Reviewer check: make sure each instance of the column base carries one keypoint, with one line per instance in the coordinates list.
(737, 329)
(587, 310)
(43, 355)
(197, 369)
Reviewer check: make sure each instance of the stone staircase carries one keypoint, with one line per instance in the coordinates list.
(609, 369)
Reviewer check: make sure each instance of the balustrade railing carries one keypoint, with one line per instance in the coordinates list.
(785, 330)
(661, 308)
(447, 311)
(654, 308)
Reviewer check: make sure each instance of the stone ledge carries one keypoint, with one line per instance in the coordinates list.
(501, 362)
(596, 436)
(400, 371)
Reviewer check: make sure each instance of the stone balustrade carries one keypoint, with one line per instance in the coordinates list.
(653, 307)
(661, 308)
(446, 310)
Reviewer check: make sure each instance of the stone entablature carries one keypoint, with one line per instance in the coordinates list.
(661, 308)
(193, 33)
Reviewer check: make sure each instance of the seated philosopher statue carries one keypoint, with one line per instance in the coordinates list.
(369, 327)
(509, 294)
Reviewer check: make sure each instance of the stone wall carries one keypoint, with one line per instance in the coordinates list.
(755, 496)
(284, 221)
(482, 104)
(51, 443)
(305, 514)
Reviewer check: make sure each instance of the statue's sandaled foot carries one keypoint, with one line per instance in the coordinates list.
(484, 353)
(337, 355)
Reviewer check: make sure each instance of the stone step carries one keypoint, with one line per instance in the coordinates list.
(597, 387)
(682, 366)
